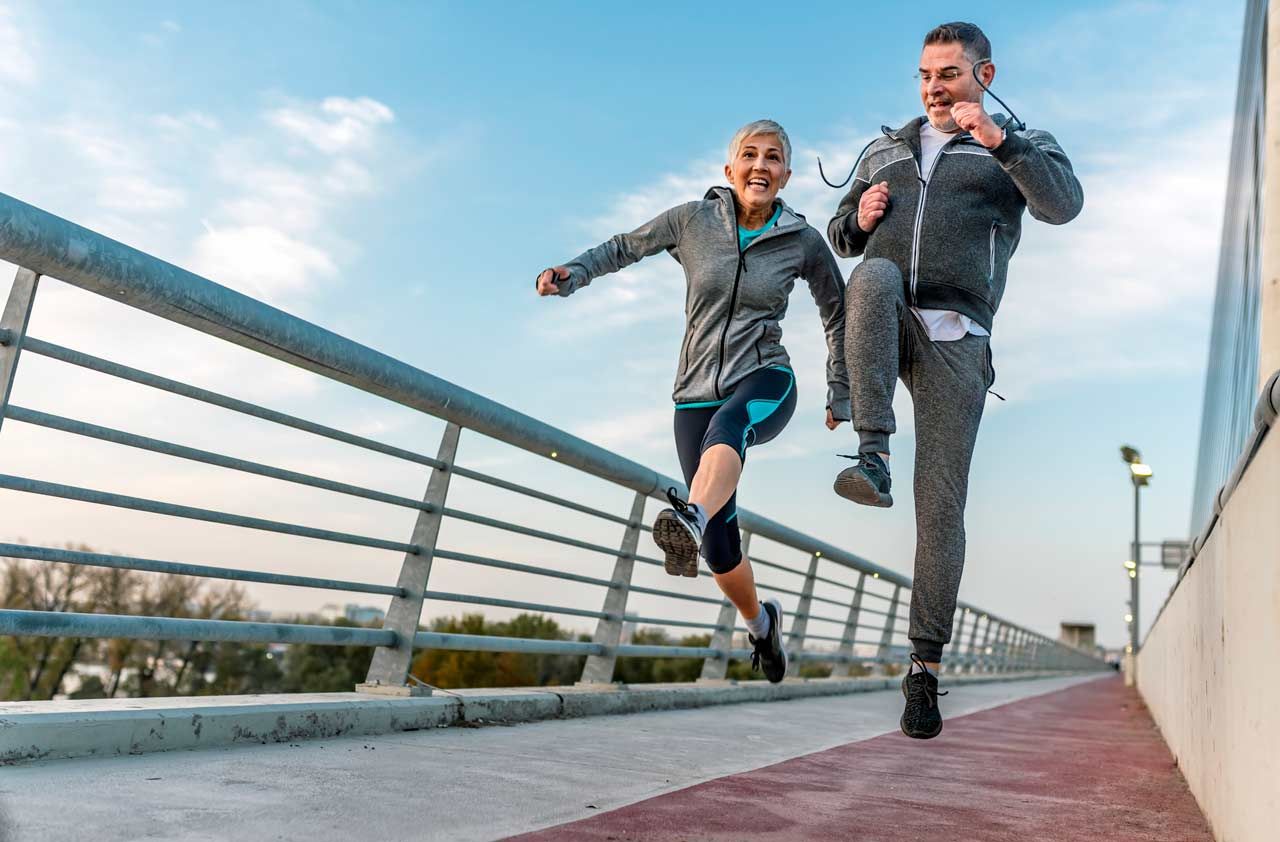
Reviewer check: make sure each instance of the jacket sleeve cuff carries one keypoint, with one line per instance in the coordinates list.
(1011, 150)
(577, 279)
(839, 406)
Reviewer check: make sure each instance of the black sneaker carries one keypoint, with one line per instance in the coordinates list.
(921, 718)
(867, 482)
(676, 532)
(768, 655)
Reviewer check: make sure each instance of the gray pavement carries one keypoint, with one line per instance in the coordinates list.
(446, 784)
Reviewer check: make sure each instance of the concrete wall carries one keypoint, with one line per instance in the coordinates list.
(1207, 669)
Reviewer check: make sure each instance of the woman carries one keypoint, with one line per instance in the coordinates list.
(742, 249)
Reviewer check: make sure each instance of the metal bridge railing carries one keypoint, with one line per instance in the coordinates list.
(844, 609)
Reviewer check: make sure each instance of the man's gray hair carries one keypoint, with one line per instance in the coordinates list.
(760, 127)
(967, 35)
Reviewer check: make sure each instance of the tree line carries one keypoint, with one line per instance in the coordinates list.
(88, 668)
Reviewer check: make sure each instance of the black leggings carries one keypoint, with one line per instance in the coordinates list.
(755, 413)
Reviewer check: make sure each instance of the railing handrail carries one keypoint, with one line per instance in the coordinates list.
(53, 246)
(44, 244)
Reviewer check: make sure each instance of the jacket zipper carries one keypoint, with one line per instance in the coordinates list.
(733, 306)
(733, 297)
(924, 195)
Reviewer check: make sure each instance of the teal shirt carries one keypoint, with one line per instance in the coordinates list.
(745, 237)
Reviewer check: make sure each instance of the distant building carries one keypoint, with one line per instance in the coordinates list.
(1079, 635)
(363, 614)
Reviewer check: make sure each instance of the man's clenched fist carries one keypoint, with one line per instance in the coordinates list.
(872, 206)
(970, 117)
(548, 280)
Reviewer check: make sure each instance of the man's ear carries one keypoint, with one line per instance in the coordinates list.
(987, 73)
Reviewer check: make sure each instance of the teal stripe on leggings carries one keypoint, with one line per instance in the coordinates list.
(758, 411)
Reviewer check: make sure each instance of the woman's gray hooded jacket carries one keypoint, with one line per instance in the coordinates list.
(735, 299)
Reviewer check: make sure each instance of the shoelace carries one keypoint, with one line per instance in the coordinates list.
(758, 647)
(861, 459)
(676, 503)
(931, 695)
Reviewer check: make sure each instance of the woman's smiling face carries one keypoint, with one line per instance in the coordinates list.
(759, 171)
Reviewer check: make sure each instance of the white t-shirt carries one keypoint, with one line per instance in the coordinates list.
(941, 325)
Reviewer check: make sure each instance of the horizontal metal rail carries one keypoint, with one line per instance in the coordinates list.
(492, 643)
(658, 621)
(94, 431)
(472, 599)
(203, 571)
(115, 626)
(467, 558)
(139, 504)
(540, 495)
(689, 597)
(155, 381)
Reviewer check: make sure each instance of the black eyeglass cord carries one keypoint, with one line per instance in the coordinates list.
(1011, 122)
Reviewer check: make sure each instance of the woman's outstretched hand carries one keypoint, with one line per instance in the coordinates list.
(832, 423)
(547, 280)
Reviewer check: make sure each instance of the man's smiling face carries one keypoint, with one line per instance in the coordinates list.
(938, 92)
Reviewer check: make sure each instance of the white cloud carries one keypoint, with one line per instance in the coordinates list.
(643, 435)
(137, 193)
(260, 261)
(186, 122)
(17, 64)
(339, 125)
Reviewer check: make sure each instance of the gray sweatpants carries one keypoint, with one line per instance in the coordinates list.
(948, 381)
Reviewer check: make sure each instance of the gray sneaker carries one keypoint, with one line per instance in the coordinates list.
(676, 531)
(866, 482)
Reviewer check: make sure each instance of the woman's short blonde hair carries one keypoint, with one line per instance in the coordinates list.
(760, 127)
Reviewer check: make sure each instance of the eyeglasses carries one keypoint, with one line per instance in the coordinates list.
(946, 74)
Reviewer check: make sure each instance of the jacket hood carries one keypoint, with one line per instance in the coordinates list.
(726, 195)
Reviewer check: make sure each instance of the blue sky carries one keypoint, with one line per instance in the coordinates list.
(399, 173)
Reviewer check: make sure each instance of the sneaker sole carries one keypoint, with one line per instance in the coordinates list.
(679, 549)
(853, 485)
(902, 722)
(786, 661)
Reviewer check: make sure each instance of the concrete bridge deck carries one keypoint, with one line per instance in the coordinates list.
(1066, 758)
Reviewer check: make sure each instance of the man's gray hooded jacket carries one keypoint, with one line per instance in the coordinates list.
(952, 231)
(735, 299)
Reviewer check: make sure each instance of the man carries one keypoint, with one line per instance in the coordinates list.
(936, 208)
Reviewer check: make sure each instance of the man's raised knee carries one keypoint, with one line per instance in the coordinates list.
(875, 277)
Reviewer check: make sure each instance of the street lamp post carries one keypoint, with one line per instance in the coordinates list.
(1140, 473)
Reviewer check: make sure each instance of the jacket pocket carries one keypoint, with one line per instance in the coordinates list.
(684, 353)
(764, 331)
(996, 225)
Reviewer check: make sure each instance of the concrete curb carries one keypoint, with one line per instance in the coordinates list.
(31, 731)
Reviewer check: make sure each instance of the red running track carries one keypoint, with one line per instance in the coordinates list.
(1085, 763)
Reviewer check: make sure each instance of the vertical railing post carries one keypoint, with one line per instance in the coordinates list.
(13, 329)
(845, 667)
(984, 657)
(972, 639)
(1002, 648)
(599, 668)
(886, 636)
(390, 667)
(800, 622)
(715, 669)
